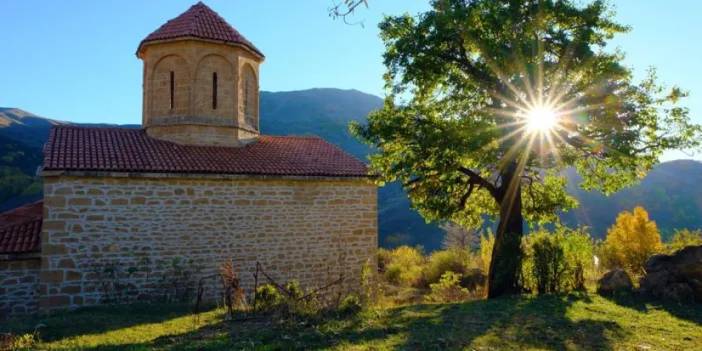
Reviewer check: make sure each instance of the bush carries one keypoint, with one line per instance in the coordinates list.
(487, 242)
(556, 262)
(404, 266)
(448, 289)
(351, 304)
(684, 238)
(474, 279)
(451, 260)
(631, 241)
(548, 263)
(579, 250)
(384, 258)
(294, 289)
(268, 298)
(19, 342)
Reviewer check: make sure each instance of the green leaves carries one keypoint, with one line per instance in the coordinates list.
(459, 78)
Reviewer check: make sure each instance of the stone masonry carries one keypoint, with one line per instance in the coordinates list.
(311, 230)
(19, 281)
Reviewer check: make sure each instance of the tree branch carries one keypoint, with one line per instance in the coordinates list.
(349, 6)
(476, 179)
(465, 196)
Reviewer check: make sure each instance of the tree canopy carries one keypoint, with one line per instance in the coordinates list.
(632, 240)
(460, 80)
(489, 100)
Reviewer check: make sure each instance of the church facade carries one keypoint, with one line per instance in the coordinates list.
(128, 211)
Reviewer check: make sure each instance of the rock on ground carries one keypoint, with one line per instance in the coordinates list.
(676, 277)
(614, 281)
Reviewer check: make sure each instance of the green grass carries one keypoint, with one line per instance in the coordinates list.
(573, 322)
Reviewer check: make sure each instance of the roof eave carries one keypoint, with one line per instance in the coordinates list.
(257, 53)
(200, 175)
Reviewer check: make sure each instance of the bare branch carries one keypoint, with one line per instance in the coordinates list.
(346, 8)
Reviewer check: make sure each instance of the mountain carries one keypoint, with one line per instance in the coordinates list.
(671, 192)
(26, 127)
(18, 166)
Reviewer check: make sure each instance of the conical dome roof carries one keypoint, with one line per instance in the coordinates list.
(199, 21)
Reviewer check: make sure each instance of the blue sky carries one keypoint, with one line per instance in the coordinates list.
(74, 59)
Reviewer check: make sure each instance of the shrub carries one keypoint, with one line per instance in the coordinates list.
(19, 342)
(448, 289)
(556, 262)
(631, 241)
(294, 289)
(474, 279)
(371, 290)
(487, 242)
(579, 251)
(384, 258)
(404, 266)
(440, 262)
(268, 298)
(351, 304)
(548, 264)
(684, 238)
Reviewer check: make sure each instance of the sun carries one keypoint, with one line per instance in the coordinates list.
(540, 118)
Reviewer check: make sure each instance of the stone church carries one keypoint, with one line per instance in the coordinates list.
(197, 184)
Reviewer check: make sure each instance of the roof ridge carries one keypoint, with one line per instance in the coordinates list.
(293, 136)
(74, 126)
(199, 10)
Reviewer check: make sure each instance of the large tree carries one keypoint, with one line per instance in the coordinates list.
(489, 100)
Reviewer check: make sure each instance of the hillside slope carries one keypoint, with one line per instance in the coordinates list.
(671, 193)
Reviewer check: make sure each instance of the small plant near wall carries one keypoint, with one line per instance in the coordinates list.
(448, 289)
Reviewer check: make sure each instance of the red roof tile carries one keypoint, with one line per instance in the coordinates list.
(20, 229)
(132, 150)
(199, 21)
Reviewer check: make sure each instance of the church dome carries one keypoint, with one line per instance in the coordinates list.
(201, 81)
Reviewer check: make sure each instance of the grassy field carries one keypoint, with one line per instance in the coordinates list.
(573, 322)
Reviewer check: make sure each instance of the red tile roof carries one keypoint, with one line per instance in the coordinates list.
(20, 229)
(199, 21)
(132, 150)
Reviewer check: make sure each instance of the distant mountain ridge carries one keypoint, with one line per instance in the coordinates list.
(672, 192)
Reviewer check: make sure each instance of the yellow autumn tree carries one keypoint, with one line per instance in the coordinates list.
(631, 241)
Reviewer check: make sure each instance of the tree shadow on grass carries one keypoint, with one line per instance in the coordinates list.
(506, 323)
(94, 320)
(510, 323)
(688, 311)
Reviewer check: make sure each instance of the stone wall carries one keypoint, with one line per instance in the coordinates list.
(19, 281)
(102, 232)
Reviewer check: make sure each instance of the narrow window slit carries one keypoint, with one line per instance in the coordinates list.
(214, 90)
(172, 89)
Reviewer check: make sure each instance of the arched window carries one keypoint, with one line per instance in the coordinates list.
(250, 97)
(168, 93)
(214, 90)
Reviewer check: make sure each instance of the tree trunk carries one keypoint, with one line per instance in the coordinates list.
(507, 253)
